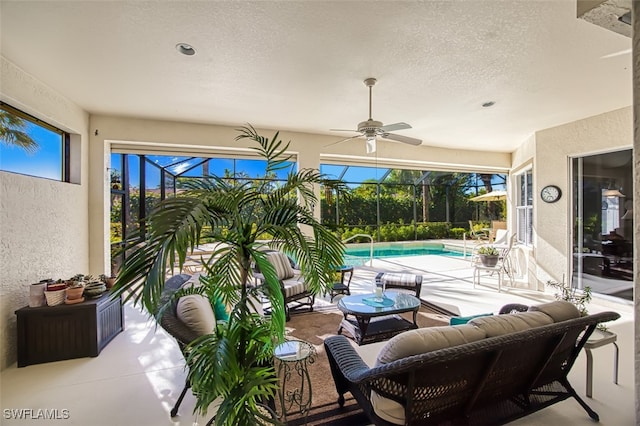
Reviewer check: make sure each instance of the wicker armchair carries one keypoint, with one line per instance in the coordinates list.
(295, 291)
(493, 380)
(170, 322)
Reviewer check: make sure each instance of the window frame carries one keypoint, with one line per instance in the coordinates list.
(524, 211)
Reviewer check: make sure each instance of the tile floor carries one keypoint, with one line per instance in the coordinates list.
(138, 376)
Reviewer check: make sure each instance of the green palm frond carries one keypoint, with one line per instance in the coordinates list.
(13, 132)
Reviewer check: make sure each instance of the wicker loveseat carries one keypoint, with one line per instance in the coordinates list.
(492, 370)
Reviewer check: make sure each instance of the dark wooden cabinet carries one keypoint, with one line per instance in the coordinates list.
(54, 333)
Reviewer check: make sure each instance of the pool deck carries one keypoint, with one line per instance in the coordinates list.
(448, 283)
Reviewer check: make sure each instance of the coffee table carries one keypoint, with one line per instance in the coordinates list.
(369, 320)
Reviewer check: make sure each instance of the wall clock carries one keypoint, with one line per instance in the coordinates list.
(550, 194)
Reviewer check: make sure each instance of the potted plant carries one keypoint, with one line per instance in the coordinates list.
(74, 291)
(108, 281)
(488, 255)
(235, 362)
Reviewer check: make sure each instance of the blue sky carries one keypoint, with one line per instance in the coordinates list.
(46, 162)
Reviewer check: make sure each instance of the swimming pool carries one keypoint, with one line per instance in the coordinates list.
(360, 253)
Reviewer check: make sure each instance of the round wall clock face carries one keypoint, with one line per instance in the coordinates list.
(550, 193)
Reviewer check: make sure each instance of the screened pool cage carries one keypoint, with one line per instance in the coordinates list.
(388, 204)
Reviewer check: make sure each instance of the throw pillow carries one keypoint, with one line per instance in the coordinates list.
(560, 310)
(281, 264)
(498, 325)
(196, 313)
(464, 320)
(415, 342)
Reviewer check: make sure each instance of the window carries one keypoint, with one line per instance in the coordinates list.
(31, 147)
(524, 208)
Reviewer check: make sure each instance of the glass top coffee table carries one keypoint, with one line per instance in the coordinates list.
(369, 319)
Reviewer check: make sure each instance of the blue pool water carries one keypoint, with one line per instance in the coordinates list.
(361, 252)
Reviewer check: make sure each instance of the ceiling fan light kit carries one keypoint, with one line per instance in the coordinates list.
(371, 129)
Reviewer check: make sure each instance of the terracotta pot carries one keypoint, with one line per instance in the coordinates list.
(110, 281)
(74, 293)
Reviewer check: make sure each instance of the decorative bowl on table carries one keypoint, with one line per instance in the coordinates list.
(94, 289)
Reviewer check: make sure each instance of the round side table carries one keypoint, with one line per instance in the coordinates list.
(293, 358)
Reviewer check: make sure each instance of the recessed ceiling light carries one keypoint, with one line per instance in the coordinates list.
(488, 104)
(185, 49)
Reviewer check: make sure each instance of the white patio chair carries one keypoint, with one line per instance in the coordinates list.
(502, 267)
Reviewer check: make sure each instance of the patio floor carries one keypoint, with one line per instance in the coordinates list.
(138, 376)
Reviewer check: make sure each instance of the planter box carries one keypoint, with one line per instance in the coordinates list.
(54, 333)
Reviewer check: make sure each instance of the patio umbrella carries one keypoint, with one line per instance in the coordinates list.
(491, 196)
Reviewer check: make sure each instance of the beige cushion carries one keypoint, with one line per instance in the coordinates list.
(196, 313)
(423, 340)
(560, 310)
(415, 342)
(387, 409)
(497, 325)
(281, 264)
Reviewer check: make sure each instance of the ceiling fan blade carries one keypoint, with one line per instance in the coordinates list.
(403, 139)
(395, 126)
(342, 130)
(343, 140)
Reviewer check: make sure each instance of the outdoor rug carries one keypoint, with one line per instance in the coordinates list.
(316, 326)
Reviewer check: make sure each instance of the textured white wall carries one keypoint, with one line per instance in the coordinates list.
(43, 223)
(552, 222)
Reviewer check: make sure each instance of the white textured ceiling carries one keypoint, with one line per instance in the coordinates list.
(299, 65)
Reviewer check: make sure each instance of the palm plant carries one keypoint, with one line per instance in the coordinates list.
(13, 132)
(234, 362)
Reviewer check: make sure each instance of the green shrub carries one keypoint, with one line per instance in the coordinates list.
(457, 233)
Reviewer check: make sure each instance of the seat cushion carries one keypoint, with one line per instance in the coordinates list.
(196, 313)
(402, 280)
(281, 264)
(293, 287)
(415, 342)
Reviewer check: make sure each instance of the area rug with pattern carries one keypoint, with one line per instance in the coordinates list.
(314, 327)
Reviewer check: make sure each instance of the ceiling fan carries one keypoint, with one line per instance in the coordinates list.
(372, 129)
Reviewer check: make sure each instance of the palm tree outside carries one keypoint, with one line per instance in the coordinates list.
(13, 132)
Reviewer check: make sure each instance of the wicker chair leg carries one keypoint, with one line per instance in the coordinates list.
(583, 404)
(174, 410)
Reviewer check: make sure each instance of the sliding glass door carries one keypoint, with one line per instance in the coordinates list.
(603, 223)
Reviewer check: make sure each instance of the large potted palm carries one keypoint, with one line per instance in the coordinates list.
(233, 364)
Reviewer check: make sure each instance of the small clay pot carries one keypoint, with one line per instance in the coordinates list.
(74, 292)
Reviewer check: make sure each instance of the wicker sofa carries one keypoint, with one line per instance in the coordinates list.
(492, 370)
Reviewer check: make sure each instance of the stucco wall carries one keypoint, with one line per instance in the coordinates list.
(43, 223)
(554, 147)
